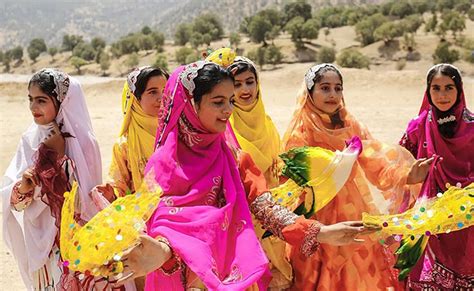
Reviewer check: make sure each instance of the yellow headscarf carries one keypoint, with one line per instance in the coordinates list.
(139, 128)
(252, 127)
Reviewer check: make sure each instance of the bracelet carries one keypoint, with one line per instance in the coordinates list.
(175, 261)
(310, 244)
(16, 189)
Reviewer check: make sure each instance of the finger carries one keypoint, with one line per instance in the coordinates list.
(354, 223)
(427, 162)
(125, 279)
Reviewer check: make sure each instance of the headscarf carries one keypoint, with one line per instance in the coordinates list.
(138, 127)
(385, 166)
(309, 124)
(457, 166)
(456, 169)
(254, 129)
(30, 234)
(203, 213)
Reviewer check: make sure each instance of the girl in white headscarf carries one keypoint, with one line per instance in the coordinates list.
(56, 149)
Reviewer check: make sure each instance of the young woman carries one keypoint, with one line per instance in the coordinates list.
(322, 119)
(444, 128)
(201, 236)
(141, 99)
(56, 149)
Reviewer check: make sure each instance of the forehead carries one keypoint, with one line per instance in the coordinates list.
(244, 75)
(156, 81)
(440, 79)
(35, 91)
(224, 88)
(330, 77)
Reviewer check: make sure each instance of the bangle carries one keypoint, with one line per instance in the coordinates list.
(174, 263)
(16, 188)
(310, 243)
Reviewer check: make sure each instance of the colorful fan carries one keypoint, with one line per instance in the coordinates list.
(96, 247)
(450, 211)
(318, 170)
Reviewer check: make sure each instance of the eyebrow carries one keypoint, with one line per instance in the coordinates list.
(329, 84)
(251, 77)
(220, 96)
(38, 97)
(152, 88)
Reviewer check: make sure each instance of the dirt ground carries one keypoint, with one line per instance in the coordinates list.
(384, 100)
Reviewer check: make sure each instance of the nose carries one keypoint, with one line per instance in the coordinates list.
(228, 109)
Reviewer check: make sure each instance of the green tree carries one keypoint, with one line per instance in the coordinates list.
(16, 53)
(2, 55)
(401, 8)
(35, 48)
(273, 55)
(77, 63)
(6, 61)
(132, 61)
(470, 14)
(183, 34)
(422, 6)
(208, 23)
(388, 31)
(84, 51)
(299, 30)
(234, 39)
(258, 56)
(161, 62)
(443, 54)
(145, 42)
(259, 28)
(409, 42)
(431, 24)
(196, 40)
(454, 21)
(412, 23)
(326, 55)
(52, 51)
(146, 30)
(70, 42)
(158, 40)
(365, 28)
(98, 43)
(182, 53)
(463, 6)
(297, 8)
(352, 58)
(104, 61)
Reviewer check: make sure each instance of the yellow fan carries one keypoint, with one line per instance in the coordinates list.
(223, 57)
(451, 211)
(96, 247)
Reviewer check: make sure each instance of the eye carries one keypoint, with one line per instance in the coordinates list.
(338, 88)
(237, 85)
(250, 82)
(325, 88)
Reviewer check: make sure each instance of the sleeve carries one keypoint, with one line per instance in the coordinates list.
(119, 172)
(283, 223)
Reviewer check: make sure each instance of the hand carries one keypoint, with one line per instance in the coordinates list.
(29, 180)
(419, 170)
(144, 258)
(55, 140)
(343, 233)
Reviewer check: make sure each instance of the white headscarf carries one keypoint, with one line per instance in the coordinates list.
(30, 234)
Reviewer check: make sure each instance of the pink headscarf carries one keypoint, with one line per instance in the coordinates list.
(204, 212)
(454, 250)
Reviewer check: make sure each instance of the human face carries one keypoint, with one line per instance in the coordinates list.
(42, 107)
(327, 94)
(216, 107)
(443, 92)
(150, 101)
(245, 88)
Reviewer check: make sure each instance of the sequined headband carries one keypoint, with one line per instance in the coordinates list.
(311, 74)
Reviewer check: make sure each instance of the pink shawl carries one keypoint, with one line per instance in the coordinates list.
(454, 250)
(204, 210)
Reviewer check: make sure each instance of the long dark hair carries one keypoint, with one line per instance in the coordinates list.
(448, 128)
(143, 78)
(209, 76)
(336, 119)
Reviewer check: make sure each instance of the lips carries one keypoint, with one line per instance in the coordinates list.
(36, 115)
(246, 96)
(223, 119)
